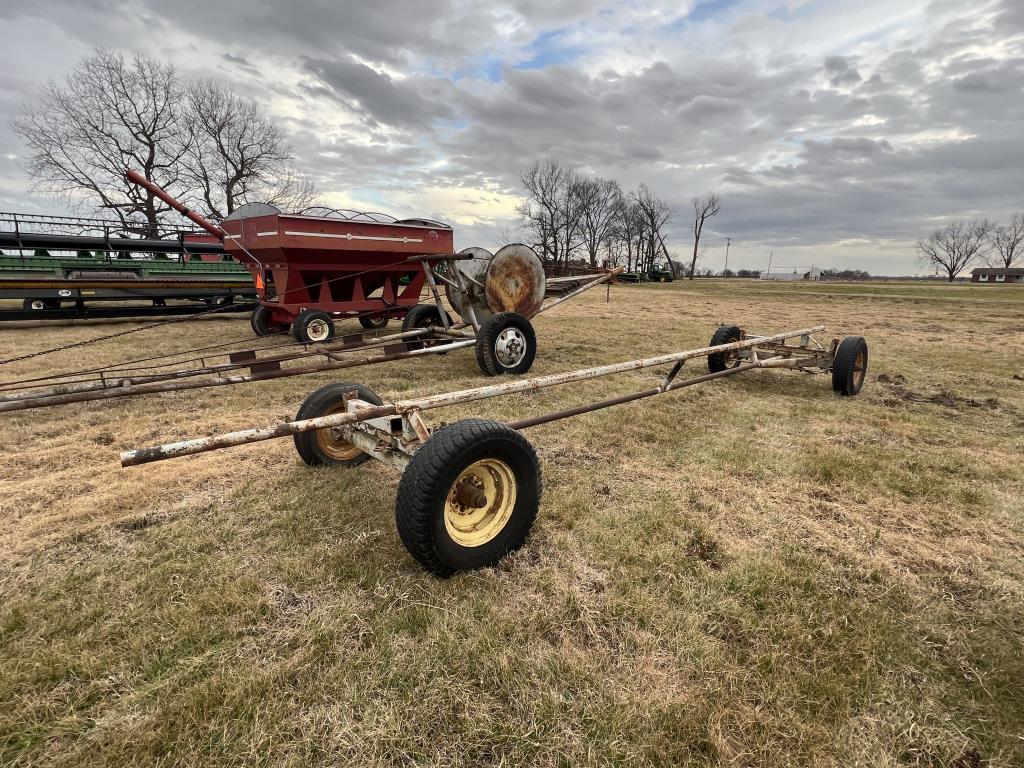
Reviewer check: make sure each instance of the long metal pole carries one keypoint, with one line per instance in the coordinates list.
(585, 287)
(179, 385)
(139, 180)
(203, 444)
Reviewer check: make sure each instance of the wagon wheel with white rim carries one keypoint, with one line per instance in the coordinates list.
(313, 326)
(374, 322)
(506, 344)
(468, 497)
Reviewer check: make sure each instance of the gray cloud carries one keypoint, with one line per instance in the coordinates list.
(809, 145)
(414, 102)
(841, 71)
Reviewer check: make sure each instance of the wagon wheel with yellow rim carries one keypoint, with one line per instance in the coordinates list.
(850, 366)
(327, 446)
(468, 497)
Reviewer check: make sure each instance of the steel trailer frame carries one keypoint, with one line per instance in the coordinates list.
(397, 434)
(247, 366)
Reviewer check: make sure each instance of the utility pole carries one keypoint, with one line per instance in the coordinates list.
(770, 254)
(728, 242)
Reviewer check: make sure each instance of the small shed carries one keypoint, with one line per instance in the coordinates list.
(997, 275)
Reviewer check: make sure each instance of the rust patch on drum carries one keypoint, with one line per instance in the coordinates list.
(515, 281)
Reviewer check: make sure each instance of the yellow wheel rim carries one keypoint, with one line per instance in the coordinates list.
(859, 369)
(480, 502)
(330, 444)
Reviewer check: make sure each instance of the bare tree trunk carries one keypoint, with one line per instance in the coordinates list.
(703, 208)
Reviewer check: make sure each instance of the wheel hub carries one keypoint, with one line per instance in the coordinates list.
(509, 347)
(480, 502)
(317, 330)
(331, 441)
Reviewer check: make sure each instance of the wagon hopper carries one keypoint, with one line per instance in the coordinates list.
(324, 264)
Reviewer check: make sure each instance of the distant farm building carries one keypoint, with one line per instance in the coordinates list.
(998, 275)
(813, 274)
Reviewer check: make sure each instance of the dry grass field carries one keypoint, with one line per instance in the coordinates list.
(750, 572)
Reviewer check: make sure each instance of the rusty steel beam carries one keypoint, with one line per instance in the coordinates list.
(178, 386)
(125, 386)
(201, 445)
(621, 399)
(585, 287)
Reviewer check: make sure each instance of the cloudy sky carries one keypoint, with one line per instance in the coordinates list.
(836, 131)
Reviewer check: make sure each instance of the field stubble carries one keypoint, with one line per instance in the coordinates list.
(748, 572)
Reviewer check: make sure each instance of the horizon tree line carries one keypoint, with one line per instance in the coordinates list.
(570, 216)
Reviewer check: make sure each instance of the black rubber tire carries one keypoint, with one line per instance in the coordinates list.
(302, 322)
(726, 334)
(260, 321)
(486, 356)
(847, 379)
(373, 322)
(421, 316)
(319, 404)
(426, 482)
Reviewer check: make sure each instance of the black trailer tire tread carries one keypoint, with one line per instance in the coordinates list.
(304, 319)
(259, 320)
(844, 365)
(489, 331)
(421, 316)
(371, 323)
(428, 476)
(316, 405)
(725, 334)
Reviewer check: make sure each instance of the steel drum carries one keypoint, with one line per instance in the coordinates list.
(511, 280)
(474, 273)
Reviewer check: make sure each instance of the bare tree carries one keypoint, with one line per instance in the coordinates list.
(509, 234)
(624, 240)
(703, 209)
(955, 247)
(542, 182)
(654, 215)
(111, 113)
(1007, 241)
(551, 210)
(239, 156)
(600, 202)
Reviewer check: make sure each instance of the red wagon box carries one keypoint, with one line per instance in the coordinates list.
(342, 266)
